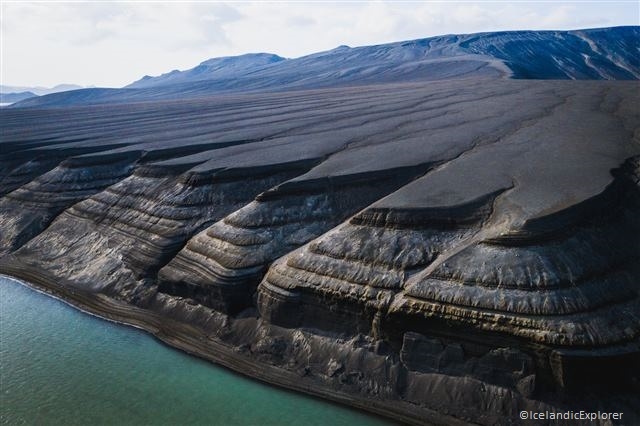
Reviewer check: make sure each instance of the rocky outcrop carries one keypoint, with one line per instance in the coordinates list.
(28, 210)
(451, 252)
(221, 266)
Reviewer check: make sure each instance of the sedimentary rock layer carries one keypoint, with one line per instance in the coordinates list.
(460, 249)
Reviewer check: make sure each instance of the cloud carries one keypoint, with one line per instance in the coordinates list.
(210, 21)
(112, 44)
(300, 21)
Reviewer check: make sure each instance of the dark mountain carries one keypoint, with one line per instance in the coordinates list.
(597, 54)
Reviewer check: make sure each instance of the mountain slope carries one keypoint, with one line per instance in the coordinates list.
(589, 54)
(597, 54)
(225, 67)
(441, 253)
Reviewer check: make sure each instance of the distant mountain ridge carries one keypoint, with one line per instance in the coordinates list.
(591, 54)
(7, 98)
(39, 90)
(603, 53)
(528, 54)
(12, 94)
(224, 67)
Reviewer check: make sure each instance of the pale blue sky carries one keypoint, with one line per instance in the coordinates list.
(111, 44)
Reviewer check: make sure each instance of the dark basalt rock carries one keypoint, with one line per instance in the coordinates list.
(442, 253)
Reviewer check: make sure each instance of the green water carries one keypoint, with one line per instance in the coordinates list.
(64, 367)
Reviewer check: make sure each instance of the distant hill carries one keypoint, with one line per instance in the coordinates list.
(216, 68)
(39, 90)
(593, 54)
(7, 98)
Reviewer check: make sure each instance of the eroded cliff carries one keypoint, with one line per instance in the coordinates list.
(448, 252)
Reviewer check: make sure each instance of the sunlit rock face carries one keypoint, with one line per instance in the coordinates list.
(437, 252)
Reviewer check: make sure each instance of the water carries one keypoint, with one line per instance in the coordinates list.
(64, 367)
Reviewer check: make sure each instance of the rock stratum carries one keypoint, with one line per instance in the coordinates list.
(441, 252)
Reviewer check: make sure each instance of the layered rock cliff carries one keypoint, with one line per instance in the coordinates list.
(451, 252)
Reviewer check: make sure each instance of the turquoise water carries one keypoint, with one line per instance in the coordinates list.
(64, 367)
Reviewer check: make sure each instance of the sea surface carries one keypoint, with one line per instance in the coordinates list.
(64, 367)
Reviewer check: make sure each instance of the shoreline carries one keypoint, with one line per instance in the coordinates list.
(195, 342)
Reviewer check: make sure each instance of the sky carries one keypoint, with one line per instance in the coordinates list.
(111, 44)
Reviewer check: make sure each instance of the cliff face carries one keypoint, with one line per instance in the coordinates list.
(448, 252)
(437, 244)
